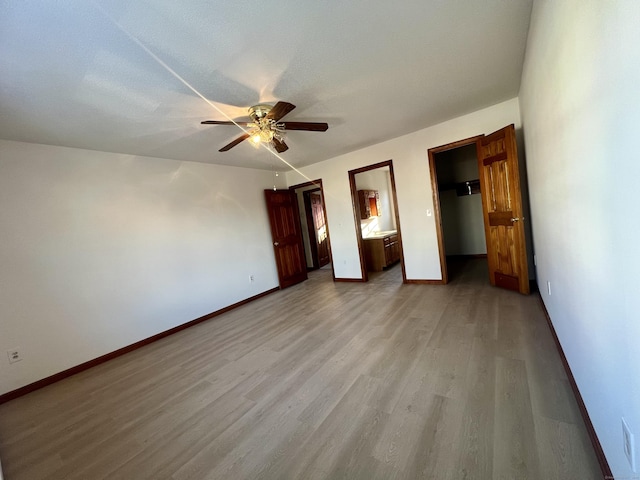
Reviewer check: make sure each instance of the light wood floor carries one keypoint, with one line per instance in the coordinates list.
(321, 381)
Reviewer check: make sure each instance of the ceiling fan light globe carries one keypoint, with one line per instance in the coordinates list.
(266, 135)
(256, 139)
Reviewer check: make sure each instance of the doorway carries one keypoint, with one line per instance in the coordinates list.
(459, 206)
(374, 199)
(498, 184)
(314, 226)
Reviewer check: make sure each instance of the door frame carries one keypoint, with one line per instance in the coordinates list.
(318, 184)
(436, 195)
(356, 216)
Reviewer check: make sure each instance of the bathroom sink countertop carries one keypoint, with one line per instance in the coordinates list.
(381, 234)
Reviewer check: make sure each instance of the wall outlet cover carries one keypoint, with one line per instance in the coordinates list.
(14, 355)
(628, 444)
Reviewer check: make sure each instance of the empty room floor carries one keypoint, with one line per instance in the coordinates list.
(322, 380)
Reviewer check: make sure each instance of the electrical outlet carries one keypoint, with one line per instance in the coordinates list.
(535, 261)
(251, 278)
(14, 355)
(628, 444)
(549, 288)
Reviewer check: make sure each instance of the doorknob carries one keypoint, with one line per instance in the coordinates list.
(517, 219)
(276, 244)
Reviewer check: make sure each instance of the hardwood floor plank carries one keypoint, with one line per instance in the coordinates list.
(185, 438)
(322, 380)
(559, 444)
(476, 452)
(515, 454)
(339, 434)
(334, 380)
(396, 444)
(436, 450)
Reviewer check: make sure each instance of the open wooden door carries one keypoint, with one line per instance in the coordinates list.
(502, 207)
(318, 228)
(282, 206)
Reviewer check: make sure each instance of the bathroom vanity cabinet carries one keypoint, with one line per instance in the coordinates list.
(381, 250)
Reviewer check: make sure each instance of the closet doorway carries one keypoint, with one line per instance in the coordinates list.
(499, 190)
(456, 187)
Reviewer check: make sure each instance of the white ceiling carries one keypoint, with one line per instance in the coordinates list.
(132, 76)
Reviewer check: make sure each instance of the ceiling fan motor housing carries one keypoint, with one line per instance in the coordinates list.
(260, 111)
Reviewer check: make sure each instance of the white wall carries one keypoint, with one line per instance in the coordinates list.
(462, 224)
(100, 250)
(580, 100)
(413, 187)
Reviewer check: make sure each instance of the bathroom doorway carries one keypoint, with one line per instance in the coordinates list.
(374, 200)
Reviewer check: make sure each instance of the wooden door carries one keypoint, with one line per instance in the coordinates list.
(320, 228)
(282, 206)
(502, 207)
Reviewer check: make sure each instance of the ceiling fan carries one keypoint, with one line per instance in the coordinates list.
(266, 126)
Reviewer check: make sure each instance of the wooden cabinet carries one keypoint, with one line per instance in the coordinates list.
(369, 204)
(375, 254)
(391, 249)
(380, 252)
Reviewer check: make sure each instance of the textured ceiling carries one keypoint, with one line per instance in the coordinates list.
(138, 77)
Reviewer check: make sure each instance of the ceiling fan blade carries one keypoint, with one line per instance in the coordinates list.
(279, 145)
(279, 110)
(310, 126)
(241, 138)
(224, 122)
